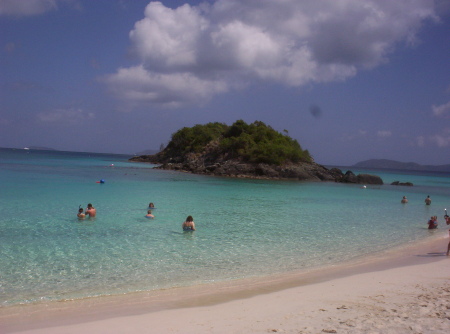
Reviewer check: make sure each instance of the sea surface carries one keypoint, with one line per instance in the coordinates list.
(245, 228)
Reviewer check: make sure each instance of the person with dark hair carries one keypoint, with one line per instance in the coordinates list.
(428, 200)
(432, 223)
(189, 224)
(81, 214)
(149, 214)
(90, 210)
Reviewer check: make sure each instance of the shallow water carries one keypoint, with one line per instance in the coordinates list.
(245, 228)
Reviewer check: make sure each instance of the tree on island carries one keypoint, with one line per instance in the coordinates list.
(252, 143)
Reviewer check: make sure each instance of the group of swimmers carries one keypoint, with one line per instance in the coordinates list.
(149, 214)
(90, 211)
(433, 223)
(427, 200)
(187, 226)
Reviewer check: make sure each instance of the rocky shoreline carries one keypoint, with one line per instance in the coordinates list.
(305, 171)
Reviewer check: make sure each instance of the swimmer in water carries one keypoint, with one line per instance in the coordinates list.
(189, 224)
(428, 200)
(149, 214)
(151, 205)
(404, 200)
(432, 223)
(81, 214)
(90, 210)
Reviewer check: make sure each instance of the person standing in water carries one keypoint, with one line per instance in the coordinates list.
(189, 224)
(404, 200)
(428, 200)
(149, 214)
(432, 223)
(90, 210)
(81, 214)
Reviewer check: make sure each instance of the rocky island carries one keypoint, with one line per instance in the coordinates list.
(245, 150)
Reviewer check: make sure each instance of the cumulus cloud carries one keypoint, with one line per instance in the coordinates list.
(384, 133)
(211, 48)
(65, 116)
(26, 7)
(442, 110)
(138, 85)
(357, 135)
(440, 140)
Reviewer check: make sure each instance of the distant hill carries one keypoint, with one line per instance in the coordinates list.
(392, 164)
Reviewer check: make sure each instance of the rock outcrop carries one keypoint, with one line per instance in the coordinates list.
(350, 177)
(398, 183)
(304, 171)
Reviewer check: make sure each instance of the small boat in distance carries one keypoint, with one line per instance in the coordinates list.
(26, 148)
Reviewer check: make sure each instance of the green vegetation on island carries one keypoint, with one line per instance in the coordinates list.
(252, 143)
(245, 150)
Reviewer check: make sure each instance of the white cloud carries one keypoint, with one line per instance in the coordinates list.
(65, 116)
(442, 110)
(440, 140)
(289, 42)
(26, 7)
(384, 133)
(357, 135)
(137, 85)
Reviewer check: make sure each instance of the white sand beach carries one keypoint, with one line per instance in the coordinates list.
(408, 294)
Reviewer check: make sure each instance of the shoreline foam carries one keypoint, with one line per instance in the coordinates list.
(73, 315)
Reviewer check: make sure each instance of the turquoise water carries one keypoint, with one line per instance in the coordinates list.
(245, 228)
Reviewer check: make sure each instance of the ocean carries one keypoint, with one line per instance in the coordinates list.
(245, 228)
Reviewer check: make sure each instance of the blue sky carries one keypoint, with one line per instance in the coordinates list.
(349, 79)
